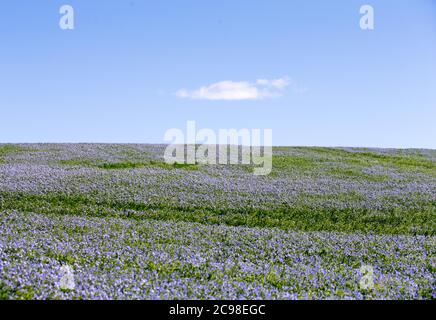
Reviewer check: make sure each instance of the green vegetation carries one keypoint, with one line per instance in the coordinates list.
(355, 173)
(5, 292)
(294, 163)
(127, 164)
(130, 216)
(308, 211)
(76, 162)
(301, 217)
(122, 165)
(9, 149)
(363, 158)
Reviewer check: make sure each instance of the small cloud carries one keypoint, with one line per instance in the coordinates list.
(237, 90)
(280, 83)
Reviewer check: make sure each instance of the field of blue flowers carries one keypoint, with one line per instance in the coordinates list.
(129, 226)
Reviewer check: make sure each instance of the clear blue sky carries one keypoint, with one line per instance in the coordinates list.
(114, 77)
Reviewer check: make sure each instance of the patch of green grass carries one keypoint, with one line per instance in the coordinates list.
(65, 258)
(282, 149)
(5, 292)
(186, 166)
(10, 148)
(302, 217)
(355, 173)
(366, 158)
(76, 162)
(293, 162)
(127, 164)
(6, 149)
(148, 164)
(25, 293)
(122, 165)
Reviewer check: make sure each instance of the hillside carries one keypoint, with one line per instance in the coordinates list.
(132, 226)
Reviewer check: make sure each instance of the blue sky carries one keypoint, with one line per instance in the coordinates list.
(118, 76)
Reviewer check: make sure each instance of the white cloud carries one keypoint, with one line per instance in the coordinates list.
(275, 83)
(234, 91)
